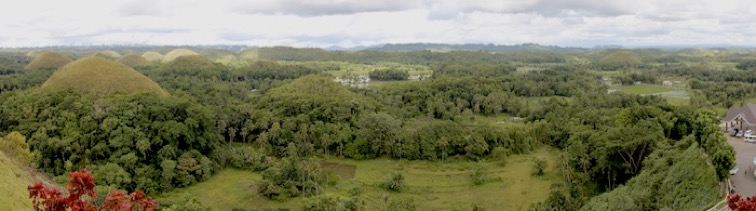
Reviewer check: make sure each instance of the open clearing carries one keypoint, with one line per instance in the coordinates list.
(431, 185)
(643, 89)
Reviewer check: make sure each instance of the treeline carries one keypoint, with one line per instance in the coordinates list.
(389, 75)
(447, 97)
(422, 57)
(482, 70)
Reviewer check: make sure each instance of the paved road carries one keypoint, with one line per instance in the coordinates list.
(744, 181)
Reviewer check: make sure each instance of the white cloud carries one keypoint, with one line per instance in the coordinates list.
(323, 7)
(323, 23)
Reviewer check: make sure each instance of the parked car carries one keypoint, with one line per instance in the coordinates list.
(750, 139)
(748, 132)
(734, 171)
(734, 132)
(740, 134)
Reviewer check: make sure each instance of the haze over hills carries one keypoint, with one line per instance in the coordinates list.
(388, 47)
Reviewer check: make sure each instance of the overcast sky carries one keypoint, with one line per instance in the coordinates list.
(323, 23)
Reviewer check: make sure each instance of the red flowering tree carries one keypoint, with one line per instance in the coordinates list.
(737, 203)
(81, 184)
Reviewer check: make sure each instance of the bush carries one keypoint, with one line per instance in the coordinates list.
(539, 167)
(395, 182)
(480, 175)
(15, 146)
(477, 207)
(328, 202)
(248, 158)
(292, 178)
(500, 154)
(188, 203)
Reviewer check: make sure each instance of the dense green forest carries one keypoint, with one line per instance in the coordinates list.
(278, 113)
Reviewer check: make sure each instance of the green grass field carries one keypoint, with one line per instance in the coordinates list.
(431, 185)
(228, 189)
(643, 89)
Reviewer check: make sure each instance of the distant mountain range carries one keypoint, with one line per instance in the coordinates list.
(435, 47)
(526, 47)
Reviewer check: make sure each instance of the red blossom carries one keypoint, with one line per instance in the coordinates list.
(82, 183)
(737, 203)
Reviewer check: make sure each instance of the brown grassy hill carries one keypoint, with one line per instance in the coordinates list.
(190, 62)
(101, 76)
(621, 58)
(212, 53)
(152, 56)
(170, 56)
(109, 54)
(197, 61)
(48, 60)
(133, 60)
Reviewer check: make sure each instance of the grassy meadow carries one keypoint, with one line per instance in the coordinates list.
(644, 89)
(430, 185)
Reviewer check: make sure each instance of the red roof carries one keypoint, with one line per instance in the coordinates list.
(747, 112)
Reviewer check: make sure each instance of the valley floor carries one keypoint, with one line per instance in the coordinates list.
(430, 185)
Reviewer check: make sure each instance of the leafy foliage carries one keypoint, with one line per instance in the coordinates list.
(327, 202)
(136, 133)
(14, 145)
(484, 70)
(395, 182)
(677, 179)
(80, 194)
(479, 175)
(291, 178)
(539, 166)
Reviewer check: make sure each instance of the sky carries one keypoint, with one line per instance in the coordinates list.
(344, 23)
